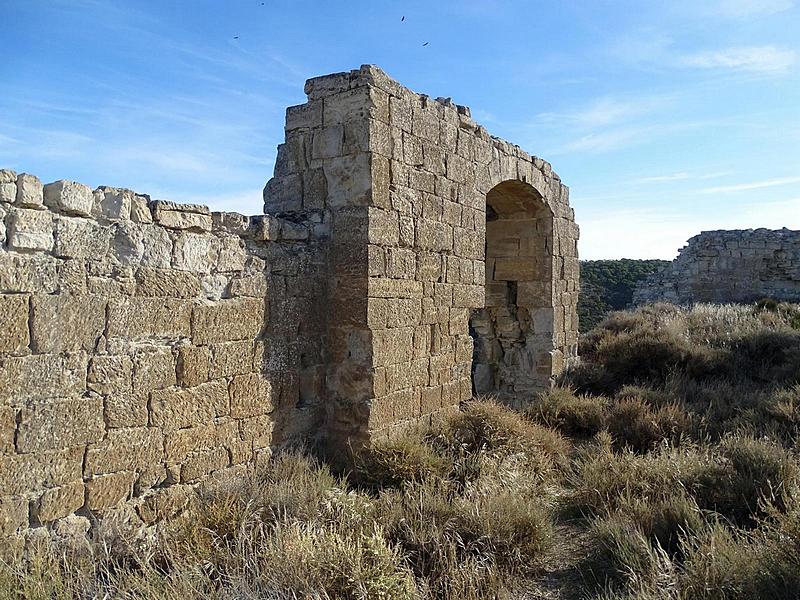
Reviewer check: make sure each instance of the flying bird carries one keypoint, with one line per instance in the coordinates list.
(236, 37)
(403, 18)
(426, 43)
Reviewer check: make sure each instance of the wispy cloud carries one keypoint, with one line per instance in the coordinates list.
(679, 176)
(738, 9)
(759, 59)
(753, 185)
(608, 110)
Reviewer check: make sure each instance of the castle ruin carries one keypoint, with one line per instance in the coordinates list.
(729, 266)
(406, 260)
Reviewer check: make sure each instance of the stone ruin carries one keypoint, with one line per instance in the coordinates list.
(406, 260)
(741, 265)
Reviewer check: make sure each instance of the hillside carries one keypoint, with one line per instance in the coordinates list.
(608, 285)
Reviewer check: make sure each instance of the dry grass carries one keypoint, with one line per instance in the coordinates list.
(672, 448)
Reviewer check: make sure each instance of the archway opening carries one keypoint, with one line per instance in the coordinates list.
(513, 333)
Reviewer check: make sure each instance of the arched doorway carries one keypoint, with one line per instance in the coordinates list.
(513, 333)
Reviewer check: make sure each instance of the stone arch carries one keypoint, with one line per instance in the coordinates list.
(513, 332)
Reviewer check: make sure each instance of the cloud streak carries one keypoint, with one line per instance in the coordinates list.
(753, 185)
(758, 59)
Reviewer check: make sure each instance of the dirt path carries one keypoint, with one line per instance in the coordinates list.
(561, 579)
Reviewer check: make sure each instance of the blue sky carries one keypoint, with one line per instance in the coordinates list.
(664, 118)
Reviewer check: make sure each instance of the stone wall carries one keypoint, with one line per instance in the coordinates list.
(143, 346)
(406, 260)
(729, 266)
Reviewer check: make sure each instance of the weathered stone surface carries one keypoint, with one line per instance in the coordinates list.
(194, 252)
(69, 197)
(166, 283)
(204, 463)
(80, 238)
(41, 376)
(153, 369)
(174, 408)
(59, 502)
(251, 395)
(112, 203)
(30, 229)
(13, 514)
(228, 320)
(110, 374)
(60, 424)
(729, 266)
(166, 503)
(65, 323)
(125, 450)
(106, 491)
(149, 318)
(142, 244)
(30, 192)
(193, 365)
(164, 214)
(26, 473)
(14, 335)
(20, 273)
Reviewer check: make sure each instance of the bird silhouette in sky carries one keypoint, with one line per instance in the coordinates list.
(403, 18)
(236, 37)
(426, 43)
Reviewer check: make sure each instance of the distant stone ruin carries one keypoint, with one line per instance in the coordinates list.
(741, 265)
(146, 347)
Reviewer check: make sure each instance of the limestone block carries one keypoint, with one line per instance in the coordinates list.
(140, 210)
(232, 358)
(293, 231)
(64, 323)
(403, 312)
(36, 377)
(203, 464)
(383, 227)
(14, 335)
(8, 425)
(166, 282)
(30, 229)
(30, 192)
(304, 116)
(60, 424)
(193, 365)
(349, 180)
(59, 502)
(328, 142)
(469, 296)
(173, 408)
(230, 222)
(13, 514)
(166, 216)
(251, 395)
(149, 318)
(126, 410)
(250, 285)
(228, 320)
(153, 370)
(29, 473)
(110, 374)
(80, 238)
(8, 192)
(106, 491)
(69, 197)
(194, 252)
(166, 503)
(135, 243)
(284, 194)
(112, 203)
(232, 254)
(257, 430)
(125, 450)
(180, 444)
(392, 346)
(380, 287)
